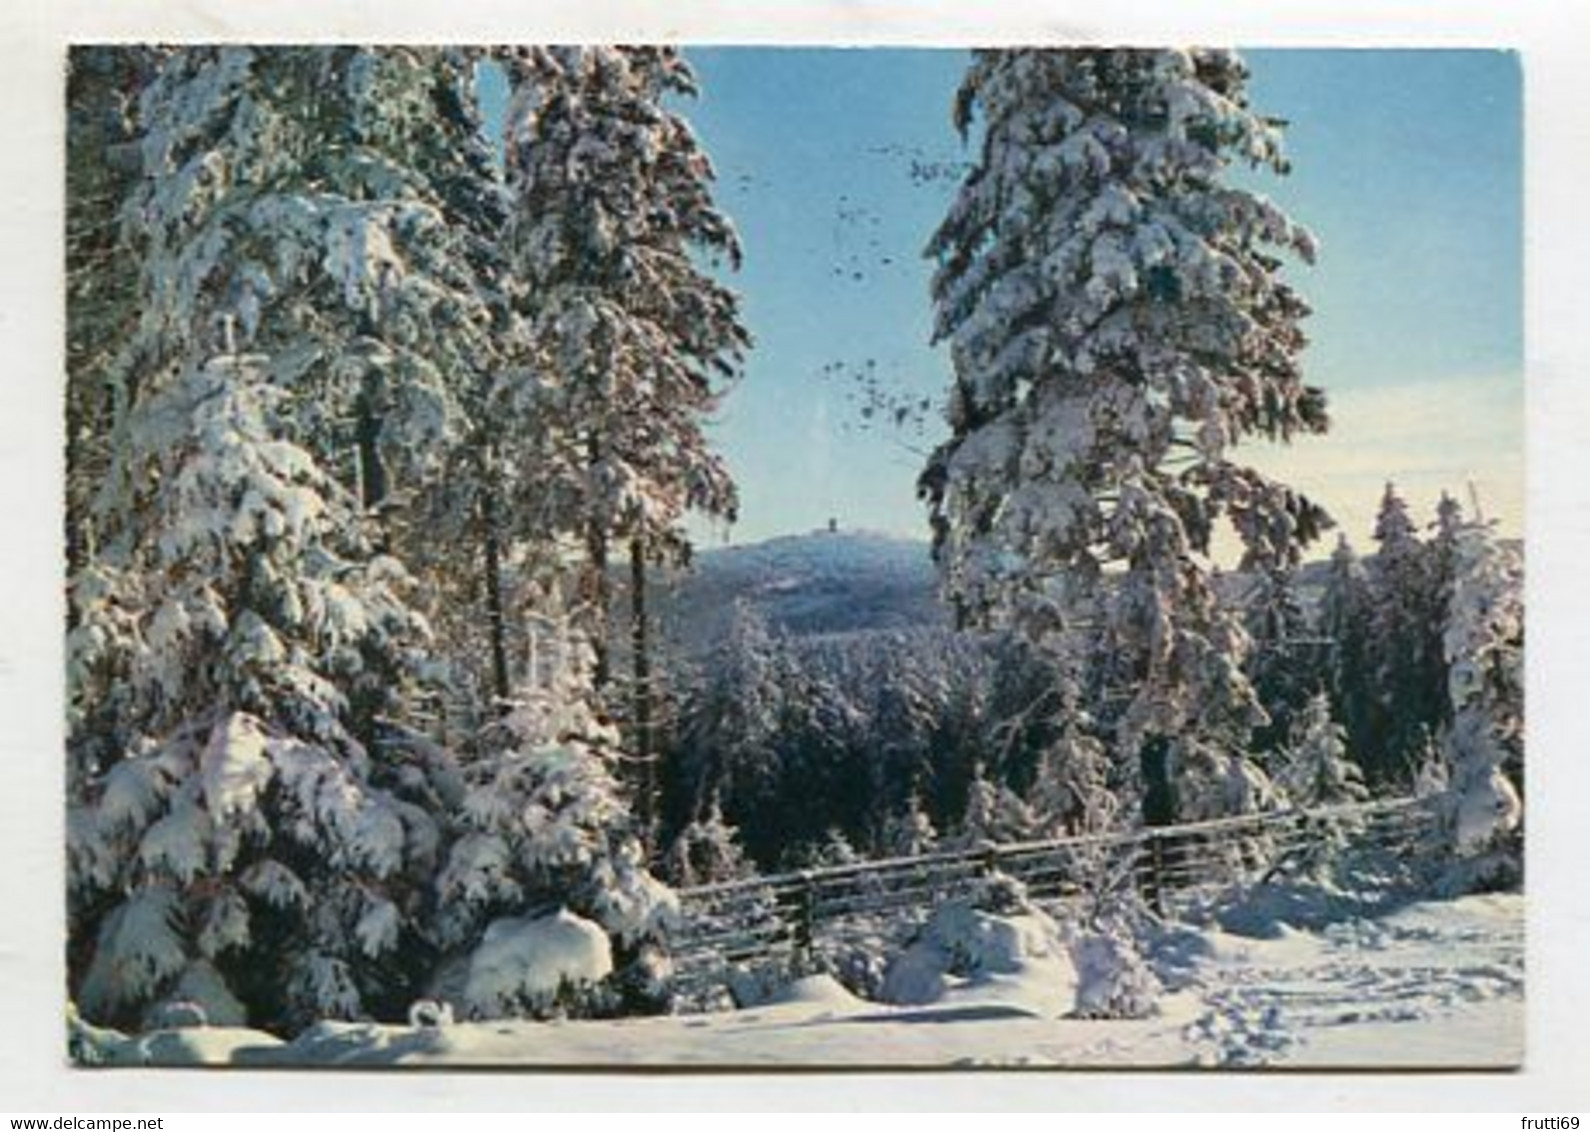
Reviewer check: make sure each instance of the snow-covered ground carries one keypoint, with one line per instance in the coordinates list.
(1432, 984)
(1435, 984)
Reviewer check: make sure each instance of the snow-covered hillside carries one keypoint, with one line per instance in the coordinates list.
(836, 581)
(822, 582)
(1429, 985)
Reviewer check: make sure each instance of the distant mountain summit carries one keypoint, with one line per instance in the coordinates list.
(823, 582)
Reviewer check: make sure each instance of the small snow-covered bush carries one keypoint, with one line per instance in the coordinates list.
(856, 951)
(757, 984)
(1107, 942)
(1005, 895)
(916, 976)
(179, 1015)
(536, 965)
(962, 946)
(200, 997)
(427, 1013)
(1315, 769)
(1113, 979)
(87, 1044)
(1269, 910)
(860, 970)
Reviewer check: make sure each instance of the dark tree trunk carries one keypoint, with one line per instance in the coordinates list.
(597, 582)
(641, 659)
(78, 531)
(1160, 806)
(372, 468)
(596, 552)
(496, 620)
(1159, 790)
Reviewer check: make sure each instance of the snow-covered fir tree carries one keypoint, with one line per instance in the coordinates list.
(994, 812)
(333, 260)
(1406, 621)
(1117, 321)
(1314, 769)
(103, 165)
(1314, 772)
(1431, 775)
(1072, 793)
(636, 340)
(545, 826)
(478, 534)
(1224, 782)
(1445, 534)
(1442, 560)
(707, 851)
(234, 845)
(328, 261)
(103, 85)
(1484, 646)
(1345, 613)
(613, 231)
(1395, 531)
(909, 833)
(302, 307)
(1284, 663)
(729, 732)
(1073, 785)
(312, 202)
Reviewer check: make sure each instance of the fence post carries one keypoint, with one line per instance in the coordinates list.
(1156, 864)
(994, 897)
(806, 919)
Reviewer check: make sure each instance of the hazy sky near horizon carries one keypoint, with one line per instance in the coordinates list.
(835, 165)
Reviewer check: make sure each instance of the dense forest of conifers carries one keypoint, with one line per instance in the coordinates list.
(883, 737)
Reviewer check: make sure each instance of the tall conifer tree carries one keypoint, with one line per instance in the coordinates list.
(636, 340)
(243, 640)
(1118, 322)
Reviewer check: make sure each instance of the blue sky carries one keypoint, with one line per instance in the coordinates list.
(1407, 166)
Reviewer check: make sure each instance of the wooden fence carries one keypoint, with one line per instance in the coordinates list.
(772, 916)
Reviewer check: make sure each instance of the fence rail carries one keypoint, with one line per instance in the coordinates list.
(766, 917)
